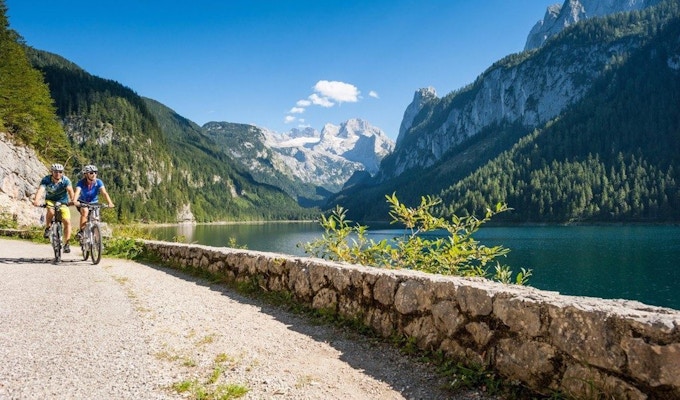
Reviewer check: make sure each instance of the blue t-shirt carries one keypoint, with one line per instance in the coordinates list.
(89, 194)
(56, 191)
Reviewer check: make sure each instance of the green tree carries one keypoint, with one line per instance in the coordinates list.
(27, 111)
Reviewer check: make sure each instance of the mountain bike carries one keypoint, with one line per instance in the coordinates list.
(91, 235)
(56, 229)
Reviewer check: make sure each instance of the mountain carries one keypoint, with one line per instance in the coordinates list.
(445, 141)
(557, 17)
(583, 128)
(307, 164)
(614, 156)
(528, 88)
(157, 165)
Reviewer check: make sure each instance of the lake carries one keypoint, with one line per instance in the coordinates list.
(613, 262)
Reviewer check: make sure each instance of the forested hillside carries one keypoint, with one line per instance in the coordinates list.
(197, 154)
(612, 156)
(157, 165)
(246, 144)
(154, 162)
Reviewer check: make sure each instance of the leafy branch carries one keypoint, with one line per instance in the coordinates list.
(430, 243)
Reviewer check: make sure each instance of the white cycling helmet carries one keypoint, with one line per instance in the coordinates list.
(89, 168)
(57, 167)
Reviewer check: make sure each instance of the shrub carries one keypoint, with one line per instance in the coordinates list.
(125, 243)
(8, 221)
(449, 249)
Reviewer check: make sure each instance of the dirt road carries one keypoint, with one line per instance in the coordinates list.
(124, 330)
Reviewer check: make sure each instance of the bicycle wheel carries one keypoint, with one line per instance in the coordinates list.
(56, 240)
(85, 244)
(96, 244)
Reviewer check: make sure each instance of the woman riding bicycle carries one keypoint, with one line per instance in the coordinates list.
(57, 188)
(88, 190)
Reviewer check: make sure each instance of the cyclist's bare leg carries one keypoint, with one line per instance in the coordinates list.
(83, 217)
(48, 217)
(67, 230)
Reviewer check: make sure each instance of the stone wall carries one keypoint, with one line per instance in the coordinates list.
(584, 347)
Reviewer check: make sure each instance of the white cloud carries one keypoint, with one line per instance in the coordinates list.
(373, 94)
(320, 101)
(337, 91)
(327, 94)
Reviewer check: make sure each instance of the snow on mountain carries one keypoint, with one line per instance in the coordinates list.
(326, 159)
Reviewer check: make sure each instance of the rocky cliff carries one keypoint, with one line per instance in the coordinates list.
(420, 99)
(528, 89)
(557, 17)
(20, 172)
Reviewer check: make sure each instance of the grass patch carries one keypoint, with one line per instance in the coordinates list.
(207, 339)
(8, 221)
(167, 356)
(303, 381)
(198, 391)
(211, 388)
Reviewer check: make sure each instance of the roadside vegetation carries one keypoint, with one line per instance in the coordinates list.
(429, 243)
(7, 221)
(124, 243)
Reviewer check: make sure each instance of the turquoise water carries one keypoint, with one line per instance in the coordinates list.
(627, 262)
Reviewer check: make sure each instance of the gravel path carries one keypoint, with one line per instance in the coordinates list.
(125, 330)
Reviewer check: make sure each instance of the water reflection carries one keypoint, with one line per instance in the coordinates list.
(186, 231)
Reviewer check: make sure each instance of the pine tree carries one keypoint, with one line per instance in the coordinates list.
(27, 111)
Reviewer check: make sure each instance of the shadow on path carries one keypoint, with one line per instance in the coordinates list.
(370, 354)
(49, 260)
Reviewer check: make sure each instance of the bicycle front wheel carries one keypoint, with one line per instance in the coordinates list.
(56, 240)
(96, 243)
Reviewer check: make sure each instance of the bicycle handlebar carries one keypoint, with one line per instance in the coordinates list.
(93, 205)
(55, 205)
(81, 204)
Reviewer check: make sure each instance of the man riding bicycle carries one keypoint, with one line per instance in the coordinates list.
(56, 187)
(88, 190)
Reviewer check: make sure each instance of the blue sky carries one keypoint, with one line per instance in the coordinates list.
(281, 64)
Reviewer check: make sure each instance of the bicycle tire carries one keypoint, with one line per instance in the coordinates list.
(85, 244)
(96, 245)
(56, 240)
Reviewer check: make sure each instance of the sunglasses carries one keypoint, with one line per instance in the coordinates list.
(58, 172)
(92, 173)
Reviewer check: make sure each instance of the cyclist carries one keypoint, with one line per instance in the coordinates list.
(56, 187)
(88, 190)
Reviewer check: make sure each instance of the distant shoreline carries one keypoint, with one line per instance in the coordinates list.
(258, 222)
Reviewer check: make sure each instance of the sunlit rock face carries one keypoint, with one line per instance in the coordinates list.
(326, 159)
(527, 89)
(557, 17)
